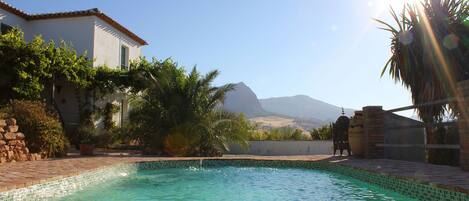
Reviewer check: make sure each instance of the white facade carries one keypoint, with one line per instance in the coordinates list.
(77, 32)
(101, 41)
(86, 31)
(10, 18)
(108, 42)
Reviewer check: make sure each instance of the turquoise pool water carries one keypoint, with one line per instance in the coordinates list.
(234, 183)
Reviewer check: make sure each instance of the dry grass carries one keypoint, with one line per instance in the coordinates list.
(274, 122)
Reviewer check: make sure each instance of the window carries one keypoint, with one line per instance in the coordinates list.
(124, 57)
(5, 28)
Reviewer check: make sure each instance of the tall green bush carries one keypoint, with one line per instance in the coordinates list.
(177, 114)
(40, 125)
(279, 134)
(221, 128)
(322, 133)
(110, 132)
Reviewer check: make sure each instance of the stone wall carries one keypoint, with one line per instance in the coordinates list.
(373, 130)
(385, 135)
(12, 145)
(463, 124)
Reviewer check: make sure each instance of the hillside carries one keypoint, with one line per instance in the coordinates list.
(276, 121)
(303, 107)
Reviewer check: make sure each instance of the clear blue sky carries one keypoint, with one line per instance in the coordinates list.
(330, 50)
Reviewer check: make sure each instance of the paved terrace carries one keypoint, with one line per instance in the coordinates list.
(22, 174)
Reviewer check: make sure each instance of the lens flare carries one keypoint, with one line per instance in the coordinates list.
(399, 4)
(451, 41)
(406, 37)
(442, 60)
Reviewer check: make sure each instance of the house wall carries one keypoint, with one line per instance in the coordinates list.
(117, 99)
(107, 45)
(77, 31)
(283, 148)
(101, 41)
(12, 20)
(66, 98)
(89, 34)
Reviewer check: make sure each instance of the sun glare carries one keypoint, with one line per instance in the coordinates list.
(381, 7)
(396, 4)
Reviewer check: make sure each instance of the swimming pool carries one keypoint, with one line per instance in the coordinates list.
(232, 179)
(232, 183)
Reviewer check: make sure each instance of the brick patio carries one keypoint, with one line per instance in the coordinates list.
(21, 174)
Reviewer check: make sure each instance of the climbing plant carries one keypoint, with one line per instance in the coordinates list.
(28, 69)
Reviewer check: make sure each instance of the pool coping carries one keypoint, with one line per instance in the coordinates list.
(454, 188)
(337, 161)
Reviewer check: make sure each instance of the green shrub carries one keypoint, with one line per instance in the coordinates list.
(322, 133)
(123, 134)
(107, 113)
(110, 134)
(283, 133)
(258, 135)
(87, 132)
(177, 112)
(40, 125)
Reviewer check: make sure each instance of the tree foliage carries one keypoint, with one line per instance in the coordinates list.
(28, 68)
(430, 54)
(220, 128)
(430, 51)
(282, 133)
(176, 113)
(322, 133)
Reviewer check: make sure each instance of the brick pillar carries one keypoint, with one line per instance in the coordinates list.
(463, 124)
(373, 126)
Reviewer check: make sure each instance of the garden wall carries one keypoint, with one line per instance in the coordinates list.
(279, 148)
(404, 138)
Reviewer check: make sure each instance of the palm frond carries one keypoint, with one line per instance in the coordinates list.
(413, 62)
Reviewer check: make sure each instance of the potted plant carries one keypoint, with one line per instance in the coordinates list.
(87, 133)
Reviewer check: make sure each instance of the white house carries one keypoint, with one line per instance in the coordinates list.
(104, 40)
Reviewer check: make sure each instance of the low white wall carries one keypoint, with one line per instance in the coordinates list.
(279, 148)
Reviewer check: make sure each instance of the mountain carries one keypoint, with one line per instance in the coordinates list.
(303, 107)
(295, 111)
(243, 99)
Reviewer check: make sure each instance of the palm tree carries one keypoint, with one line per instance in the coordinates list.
(220, 128)
(174, 107)
(430, 54)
